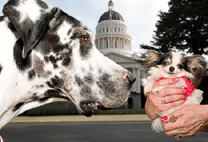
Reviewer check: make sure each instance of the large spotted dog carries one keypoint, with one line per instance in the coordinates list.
(46, 56)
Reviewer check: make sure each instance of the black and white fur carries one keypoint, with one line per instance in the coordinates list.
(46, 56)
(171, 65)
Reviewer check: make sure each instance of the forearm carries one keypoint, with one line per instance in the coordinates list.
(204, 110)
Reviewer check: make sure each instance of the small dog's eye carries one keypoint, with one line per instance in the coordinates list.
(165, 63)
(180, 66)
(85, 39)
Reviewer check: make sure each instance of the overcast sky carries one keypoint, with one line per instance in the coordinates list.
(140, 16)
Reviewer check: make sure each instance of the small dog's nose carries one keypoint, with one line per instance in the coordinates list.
(171, 69)
(129, 78)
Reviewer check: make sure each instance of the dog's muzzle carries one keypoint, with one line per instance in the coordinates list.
(88, 107)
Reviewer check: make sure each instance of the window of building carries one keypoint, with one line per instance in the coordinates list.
(103, 29)
(118, 29)
(107, 29)
(115, 29)
(106, 43)
(115, 44)
(100, 30)
(130, 103)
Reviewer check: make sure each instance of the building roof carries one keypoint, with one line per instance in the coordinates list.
(111, 15)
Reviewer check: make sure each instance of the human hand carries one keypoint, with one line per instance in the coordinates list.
(190, 119)
(172, 96)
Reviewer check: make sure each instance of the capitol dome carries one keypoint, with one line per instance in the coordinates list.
(111, 33)
(111, 15)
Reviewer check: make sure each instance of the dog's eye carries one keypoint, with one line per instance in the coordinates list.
(180, 66)
(165, 63)
(85, 39)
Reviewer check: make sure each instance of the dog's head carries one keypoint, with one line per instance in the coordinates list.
(174, 64)
(58, 51)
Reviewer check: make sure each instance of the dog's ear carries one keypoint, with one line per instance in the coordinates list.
(196, 64)
(150, 58)
(30, 19)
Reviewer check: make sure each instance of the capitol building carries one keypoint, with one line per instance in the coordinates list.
(111, 33)
(114, 42)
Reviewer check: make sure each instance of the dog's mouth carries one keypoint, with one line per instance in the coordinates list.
(88, 107)
(171, 73)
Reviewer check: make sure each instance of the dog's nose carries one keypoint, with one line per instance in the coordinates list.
(129, 78)
(171, 69)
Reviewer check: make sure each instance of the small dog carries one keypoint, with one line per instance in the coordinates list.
(189, 70)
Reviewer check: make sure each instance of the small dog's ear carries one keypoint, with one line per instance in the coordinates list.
(197, 66)
(150, 58)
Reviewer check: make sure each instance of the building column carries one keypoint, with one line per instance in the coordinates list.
(138, 85)
(113, 42)
(126, 105)
(134, 85)
(103, 43)
(129, 45)
(98, 43)
(108, 42)
(125, 44)
(119, 43)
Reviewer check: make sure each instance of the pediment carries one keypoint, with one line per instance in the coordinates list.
(119, 58)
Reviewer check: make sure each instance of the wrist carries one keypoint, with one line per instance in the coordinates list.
(204, 110)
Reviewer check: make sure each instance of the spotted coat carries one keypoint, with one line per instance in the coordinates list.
(46, 56)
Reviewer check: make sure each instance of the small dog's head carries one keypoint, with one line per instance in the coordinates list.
(176, 64)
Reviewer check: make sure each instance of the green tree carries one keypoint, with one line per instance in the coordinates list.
(183, 27)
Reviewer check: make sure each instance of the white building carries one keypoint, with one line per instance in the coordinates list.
(114, 42)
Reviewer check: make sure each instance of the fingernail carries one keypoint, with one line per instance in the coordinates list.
(164, 118)
(185, 99)
(175, 79)
(184, 90)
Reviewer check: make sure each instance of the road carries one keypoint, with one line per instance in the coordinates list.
(89, 132)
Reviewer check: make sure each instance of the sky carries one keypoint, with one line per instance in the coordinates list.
(140, 16)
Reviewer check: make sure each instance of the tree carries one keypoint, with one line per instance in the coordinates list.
(183, 27)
